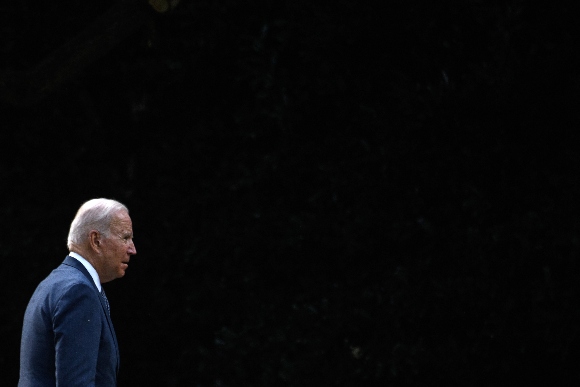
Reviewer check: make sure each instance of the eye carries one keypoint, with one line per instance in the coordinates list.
(126, 239)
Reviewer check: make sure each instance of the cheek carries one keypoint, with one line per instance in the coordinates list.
(117, 255)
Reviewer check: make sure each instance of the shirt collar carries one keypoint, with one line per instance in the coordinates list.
(89, 268)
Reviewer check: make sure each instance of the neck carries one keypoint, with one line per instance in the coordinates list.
(86, 254)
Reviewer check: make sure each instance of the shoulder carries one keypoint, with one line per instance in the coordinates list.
(76, 299)
(66, 276)
(65, 292)
(75, 289)
(66, 284)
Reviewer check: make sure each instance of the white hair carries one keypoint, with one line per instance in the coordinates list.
(96, 214)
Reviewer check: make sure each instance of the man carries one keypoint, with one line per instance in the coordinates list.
(67, 336)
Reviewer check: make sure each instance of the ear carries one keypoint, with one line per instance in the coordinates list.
(95, 240)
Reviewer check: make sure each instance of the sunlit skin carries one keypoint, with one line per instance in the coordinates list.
(110, 256)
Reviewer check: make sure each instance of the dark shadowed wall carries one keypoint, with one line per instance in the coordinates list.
(322, 193)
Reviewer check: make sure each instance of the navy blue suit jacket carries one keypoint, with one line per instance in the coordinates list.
(67, 335)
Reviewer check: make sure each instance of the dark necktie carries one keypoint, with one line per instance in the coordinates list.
(106, 301)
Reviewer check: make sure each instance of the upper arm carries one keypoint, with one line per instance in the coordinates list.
(77, 333)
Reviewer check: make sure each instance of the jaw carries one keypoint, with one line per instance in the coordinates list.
(122, 268)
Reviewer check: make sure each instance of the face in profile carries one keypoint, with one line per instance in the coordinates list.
(117, 248)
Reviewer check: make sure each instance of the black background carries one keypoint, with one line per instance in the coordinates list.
(322, 193)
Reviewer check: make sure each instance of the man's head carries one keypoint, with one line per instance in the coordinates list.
(102, 233)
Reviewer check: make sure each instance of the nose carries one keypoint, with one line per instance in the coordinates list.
(132, 248)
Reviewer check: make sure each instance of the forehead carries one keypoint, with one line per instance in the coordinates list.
(121, 222)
